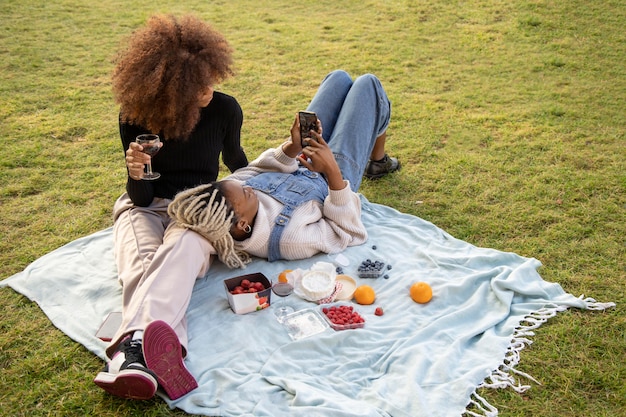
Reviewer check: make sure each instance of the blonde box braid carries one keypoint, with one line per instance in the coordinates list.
(204, 210)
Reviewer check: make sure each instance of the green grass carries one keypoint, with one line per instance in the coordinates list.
(508, 118)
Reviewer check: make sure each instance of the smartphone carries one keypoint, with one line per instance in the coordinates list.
(308, 122)
(109, 326)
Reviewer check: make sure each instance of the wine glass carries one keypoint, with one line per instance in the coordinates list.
(282, 289)
(151, 146)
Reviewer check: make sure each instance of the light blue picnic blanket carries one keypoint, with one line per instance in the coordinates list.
(415, 360)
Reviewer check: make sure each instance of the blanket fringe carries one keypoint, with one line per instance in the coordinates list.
(486, 409)
(506, 376)
(592, 304)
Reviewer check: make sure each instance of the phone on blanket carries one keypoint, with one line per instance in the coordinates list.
(308, 122)
(109, 326)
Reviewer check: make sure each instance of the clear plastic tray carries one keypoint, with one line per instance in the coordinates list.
(341, 326)
(371, 268)
(304, 323)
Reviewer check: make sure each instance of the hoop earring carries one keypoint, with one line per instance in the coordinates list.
(247, 229)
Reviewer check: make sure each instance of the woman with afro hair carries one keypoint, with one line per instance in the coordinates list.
(164, 82)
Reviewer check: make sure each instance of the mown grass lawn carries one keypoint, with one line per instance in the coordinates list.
(508, 118)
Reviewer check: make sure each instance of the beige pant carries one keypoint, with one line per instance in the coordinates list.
(158, 263)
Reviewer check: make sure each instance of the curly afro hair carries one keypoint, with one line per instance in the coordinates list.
(166, 65)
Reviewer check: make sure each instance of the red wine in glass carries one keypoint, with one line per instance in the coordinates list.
(282, 289)
(151, 146)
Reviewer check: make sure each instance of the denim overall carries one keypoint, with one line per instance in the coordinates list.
(291, 189)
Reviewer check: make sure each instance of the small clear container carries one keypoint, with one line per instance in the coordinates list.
(339, 326)
(371, 268)
(304, 323)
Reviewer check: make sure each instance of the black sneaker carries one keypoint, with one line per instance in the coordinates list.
(378, 169)
(126, 375)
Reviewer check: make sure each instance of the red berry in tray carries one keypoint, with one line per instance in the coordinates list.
(248, 287)
(343, 317)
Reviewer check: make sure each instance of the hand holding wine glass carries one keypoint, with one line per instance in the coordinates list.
(151, 145)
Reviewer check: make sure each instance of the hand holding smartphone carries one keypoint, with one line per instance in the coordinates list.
(308, 122)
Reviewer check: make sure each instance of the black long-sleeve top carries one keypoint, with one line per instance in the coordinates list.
(194, 161)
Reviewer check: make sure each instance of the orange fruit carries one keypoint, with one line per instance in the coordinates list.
(282, 277)
(421, 292)
(364, 294)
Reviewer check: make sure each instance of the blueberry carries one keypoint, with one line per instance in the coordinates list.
(370, 268)
(389, 267)
(386, 276)
(374, 247)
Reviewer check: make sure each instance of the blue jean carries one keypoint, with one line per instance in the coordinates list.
(353, 115)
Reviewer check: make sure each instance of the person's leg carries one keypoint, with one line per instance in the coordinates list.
(160, 306)
(380, 164)
(363, 119)
(165, 292)
(329, 99)
(137, 234)
(378, 152)
(160, 301)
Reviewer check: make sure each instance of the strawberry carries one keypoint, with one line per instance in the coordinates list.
(379, 311)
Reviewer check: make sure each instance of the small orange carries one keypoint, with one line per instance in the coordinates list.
(282, 277)
(421, 292)
(364, 294)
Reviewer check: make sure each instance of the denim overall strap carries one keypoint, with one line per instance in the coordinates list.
(291, 189)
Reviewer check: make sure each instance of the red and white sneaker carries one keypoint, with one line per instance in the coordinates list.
(126, 375)
(164, 356)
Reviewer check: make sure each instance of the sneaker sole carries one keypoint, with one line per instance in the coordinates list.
(377, 176)
(164, 356)
(131, 384)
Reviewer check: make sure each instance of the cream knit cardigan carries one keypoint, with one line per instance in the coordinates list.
(313, 227)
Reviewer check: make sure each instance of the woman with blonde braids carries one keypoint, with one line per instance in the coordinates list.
(164, 82)
(209, 215)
